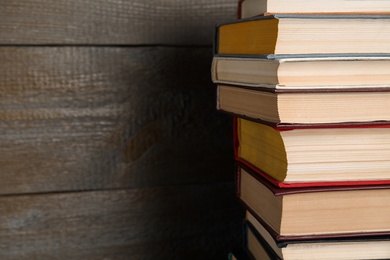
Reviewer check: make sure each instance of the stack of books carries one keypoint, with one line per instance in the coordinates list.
(308, 84)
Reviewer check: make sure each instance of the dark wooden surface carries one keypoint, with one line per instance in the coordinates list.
(112, 22)
(182, 222)
(110, 144)
(76, 118)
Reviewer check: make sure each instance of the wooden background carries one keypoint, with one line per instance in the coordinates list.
(110, 145)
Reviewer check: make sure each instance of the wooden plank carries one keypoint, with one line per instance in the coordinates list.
(112, 22)
(177, 222)
(81, 118)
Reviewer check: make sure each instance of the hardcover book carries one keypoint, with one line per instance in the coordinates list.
(304, 34)
(303, 72)
(249, 8)
(315, 156)
(316, 212)
(262, 244)
(320, 106)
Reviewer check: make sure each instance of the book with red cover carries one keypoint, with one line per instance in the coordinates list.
(288, 127)
(315, 212)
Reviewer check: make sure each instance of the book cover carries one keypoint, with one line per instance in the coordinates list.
(303, 72)
(319, 106)
(249, 8)
(303, 34)
(239, 9)
(369, 247)
(315, 212)
(271, 160)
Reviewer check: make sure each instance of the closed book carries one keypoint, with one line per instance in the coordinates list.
(304, 72)
(316, 212)
(304, 34)
(292, 156)
(313, 106)
(249, 8)
(262, 244)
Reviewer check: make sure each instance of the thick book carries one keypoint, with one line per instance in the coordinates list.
(262, 244)
(249, 8)
(314, 156)
(316, 212)
(304, 34)
(313, 106)
(303, 72)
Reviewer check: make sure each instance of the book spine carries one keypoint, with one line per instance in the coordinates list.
(239, 8)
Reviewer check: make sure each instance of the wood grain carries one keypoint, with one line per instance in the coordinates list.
(186, 222)
(82, 118)
(114, 22)
(110, 149)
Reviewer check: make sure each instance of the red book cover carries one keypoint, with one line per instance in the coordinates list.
(286, 127)
(277, 191)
